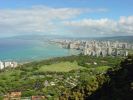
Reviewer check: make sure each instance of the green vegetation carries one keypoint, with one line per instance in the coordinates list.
(130, 52)
(100, 69)
(119, 86)
(60, 67)
(73, 77)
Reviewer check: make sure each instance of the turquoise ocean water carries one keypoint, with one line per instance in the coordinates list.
(22, 50)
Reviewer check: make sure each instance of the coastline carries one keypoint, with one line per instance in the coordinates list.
(25, 51)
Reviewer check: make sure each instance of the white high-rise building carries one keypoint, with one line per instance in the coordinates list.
(109, 51)
(8, 64)
(14, 64)
(1, 65)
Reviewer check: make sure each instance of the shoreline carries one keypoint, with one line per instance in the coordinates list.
(50, 58)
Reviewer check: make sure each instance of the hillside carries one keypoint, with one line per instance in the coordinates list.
(120, 83)
(56, 77)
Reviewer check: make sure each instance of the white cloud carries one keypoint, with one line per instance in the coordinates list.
(47, 20)
(38, 19)
(104, 26)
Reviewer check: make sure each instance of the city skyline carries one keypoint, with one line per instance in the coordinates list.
(66, 18)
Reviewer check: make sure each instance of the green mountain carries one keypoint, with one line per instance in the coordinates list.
(120, 83)
(72, 78)
(64, 77)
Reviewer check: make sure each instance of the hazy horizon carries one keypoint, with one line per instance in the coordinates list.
(60, 36)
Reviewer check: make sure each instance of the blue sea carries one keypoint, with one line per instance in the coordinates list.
(24, 50)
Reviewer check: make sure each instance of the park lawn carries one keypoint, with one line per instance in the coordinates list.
(60, 67)
(100, 69)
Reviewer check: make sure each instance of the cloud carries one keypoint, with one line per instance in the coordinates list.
(48, 20)
(101, 27)
(38, 19)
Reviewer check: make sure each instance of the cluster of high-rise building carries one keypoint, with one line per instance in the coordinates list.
(98, 48)
(8, 64)
(106, 48)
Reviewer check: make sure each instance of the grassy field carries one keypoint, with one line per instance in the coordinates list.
(60, 67)
(102, 68)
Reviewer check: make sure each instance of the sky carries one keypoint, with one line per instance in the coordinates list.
(79, 18)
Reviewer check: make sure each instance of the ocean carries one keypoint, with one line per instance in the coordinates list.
(24, 50)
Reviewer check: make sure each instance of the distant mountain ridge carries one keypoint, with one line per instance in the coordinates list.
(118, 38)
(113, 38)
